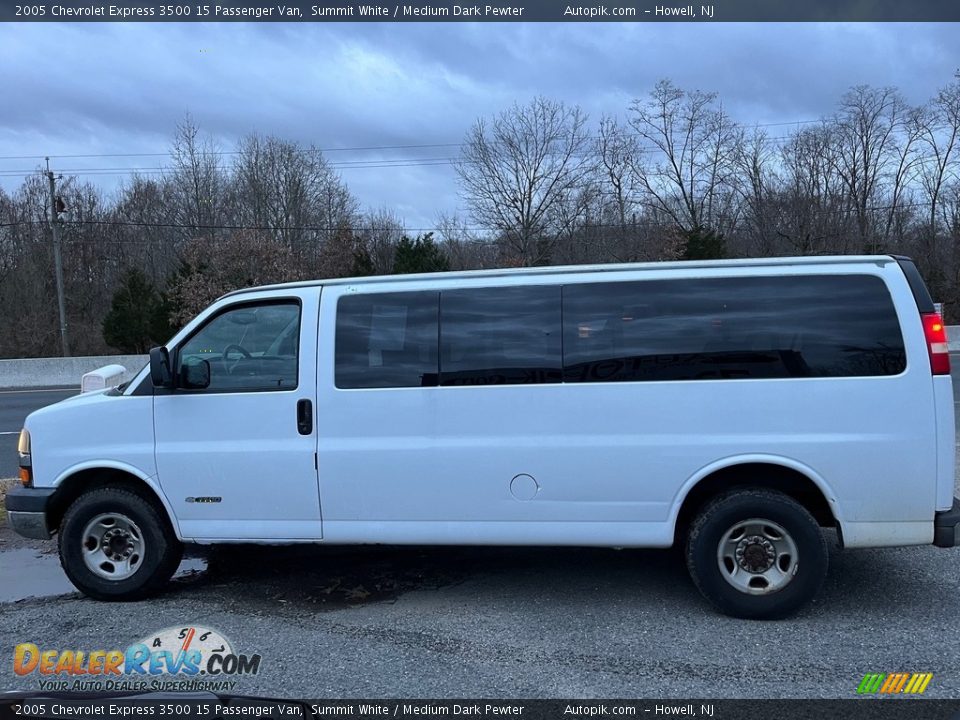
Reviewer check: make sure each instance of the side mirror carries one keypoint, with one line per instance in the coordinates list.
(195, 374)
(160, 373)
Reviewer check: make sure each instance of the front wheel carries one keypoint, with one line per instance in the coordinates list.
(115, 545)
(756, 554)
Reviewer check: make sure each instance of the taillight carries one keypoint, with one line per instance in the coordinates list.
(936, 335)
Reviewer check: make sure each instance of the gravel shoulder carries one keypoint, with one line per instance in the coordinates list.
(9, 540)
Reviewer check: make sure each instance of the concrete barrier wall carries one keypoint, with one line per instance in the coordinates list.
(953, 337)
(53, 372)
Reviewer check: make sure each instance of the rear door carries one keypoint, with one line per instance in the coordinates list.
(236, 458)
(939, 351)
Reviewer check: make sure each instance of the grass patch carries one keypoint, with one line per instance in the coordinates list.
(5, 485)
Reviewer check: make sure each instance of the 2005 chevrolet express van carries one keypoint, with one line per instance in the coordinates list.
(736, 407)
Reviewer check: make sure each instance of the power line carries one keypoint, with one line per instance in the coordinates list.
(346, 165)
(372, 164)
(361, 148)
(188, 226)
(207, 153)
(338, 164)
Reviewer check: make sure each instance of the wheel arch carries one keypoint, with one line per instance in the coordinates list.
(786, 475)
(75, 481)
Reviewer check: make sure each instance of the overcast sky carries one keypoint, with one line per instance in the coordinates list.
(112, 88)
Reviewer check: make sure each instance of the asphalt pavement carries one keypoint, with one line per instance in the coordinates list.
(554, 622)
(15, 405)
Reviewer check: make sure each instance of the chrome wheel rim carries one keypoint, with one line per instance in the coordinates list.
(757, 556)
(112, 546)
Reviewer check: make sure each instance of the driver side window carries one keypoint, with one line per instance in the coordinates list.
(246, 348)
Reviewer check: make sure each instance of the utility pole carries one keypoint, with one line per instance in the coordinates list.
(57, 262)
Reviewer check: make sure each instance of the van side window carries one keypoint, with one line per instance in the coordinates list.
(500, 336)
(250, 347)
(386, 340)
(729, 328)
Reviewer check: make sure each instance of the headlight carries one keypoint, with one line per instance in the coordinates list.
(23, 447)
(26, 461)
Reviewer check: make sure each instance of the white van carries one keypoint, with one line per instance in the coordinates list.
(736, 407)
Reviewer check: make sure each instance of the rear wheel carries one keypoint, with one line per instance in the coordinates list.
(115, 545)
(756, 554)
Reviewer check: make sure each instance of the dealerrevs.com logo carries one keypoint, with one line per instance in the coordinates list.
(174, 659)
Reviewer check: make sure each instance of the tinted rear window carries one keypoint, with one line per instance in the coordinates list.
(387, 340)
(500, 336)
(754, 327)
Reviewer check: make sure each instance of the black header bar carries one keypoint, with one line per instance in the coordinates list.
(201, 706)
(482, 11)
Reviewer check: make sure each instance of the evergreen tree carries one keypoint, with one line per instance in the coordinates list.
(362, 263)
(704, 244)
(138, 317)
(422, 254)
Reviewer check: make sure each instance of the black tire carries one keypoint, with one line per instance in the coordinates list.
(806, 570)
(161, 551)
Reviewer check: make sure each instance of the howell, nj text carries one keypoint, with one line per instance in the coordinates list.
(683, 710)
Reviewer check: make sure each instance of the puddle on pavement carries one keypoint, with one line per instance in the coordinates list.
(29, 573)
(25, 572)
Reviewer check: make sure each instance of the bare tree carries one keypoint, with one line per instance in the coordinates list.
(242, 259)
(619, 193)
(689, 156)
(464, 248)
(291, 193)
(940, 134)
(807, 207)
(869, 156)
(139, 233)
(382, 230)
(618, 151)
(519, 171)
(756, 180)
(30, 327)
(91, 265)
(343, 255)
(197, 182)
(585, 238)
(539, 188)
(8, 250)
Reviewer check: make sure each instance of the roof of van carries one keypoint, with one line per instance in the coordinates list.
(571, 269)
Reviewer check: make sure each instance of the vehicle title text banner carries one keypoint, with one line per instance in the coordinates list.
(487, 11)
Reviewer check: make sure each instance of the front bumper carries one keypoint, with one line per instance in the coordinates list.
(946, 527)
(27, 510)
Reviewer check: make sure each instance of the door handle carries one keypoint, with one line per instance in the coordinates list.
(304, 417)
